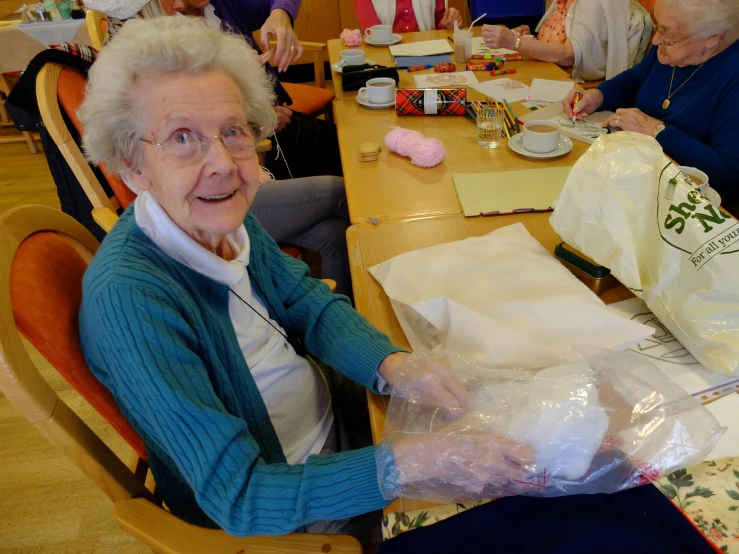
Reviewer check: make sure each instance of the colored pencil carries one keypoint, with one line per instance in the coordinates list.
(513, 117)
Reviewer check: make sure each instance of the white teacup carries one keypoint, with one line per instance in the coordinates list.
(699, 178)
(353, 56)
(379, 33)
(379, 91)
(540, 136)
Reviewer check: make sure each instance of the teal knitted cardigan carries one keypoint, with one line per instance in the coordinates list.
(159, 336)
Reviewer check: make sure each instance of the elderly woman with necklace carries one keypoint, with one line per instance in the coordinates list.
(684, 93)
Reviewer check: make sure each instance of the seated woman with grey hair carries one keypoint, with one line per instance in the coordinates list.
(200, 327)
(595, 39)
(684, 91)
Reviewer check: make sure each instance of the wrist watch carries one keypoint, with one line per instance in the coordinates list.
(658, 130)
(518, 43)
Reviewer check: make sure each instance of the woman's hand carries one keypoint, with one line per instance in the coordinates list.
(522, 30)
(288, 48)
(632, 119)
(471, 460)
(591, 100)
(450, 16)
(284, 116)
(498, 36)
(434, 385)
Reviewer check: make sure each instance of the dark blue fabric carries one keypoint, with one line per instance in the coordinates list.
(496, 9)
(635, 521)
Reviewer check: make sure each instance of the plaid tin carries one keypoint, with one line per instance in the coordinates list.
(411, 101)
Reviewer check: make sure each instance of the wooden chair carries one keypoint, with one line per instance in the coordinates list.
(43, 255)
(97, 24)
(313, 100)
(25, 136)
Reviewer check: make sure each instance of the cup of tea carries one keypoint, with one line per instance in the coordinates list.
(353, 56)
(541, 136)
(379, 91)
(699, 178)
(379, 33)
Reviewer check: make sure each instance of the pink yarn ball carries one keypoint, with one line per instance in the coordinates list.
(428, 152)
(424, 152)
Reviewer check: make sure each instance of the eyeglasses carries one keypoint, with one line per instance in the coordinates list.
(665, 40)
(190, 147)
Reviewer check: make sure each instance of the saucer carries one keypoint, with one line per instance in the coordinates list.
(395, 40)
(339, 66)
(712, 196)
(516, 144)
(362, 100)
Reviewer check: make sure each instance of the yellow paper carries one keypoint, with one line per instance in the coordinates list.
(504, 192)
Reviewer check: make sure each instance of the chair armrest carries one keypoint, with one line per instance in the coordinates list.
(331, 284)
(105, 217)
(166, 534)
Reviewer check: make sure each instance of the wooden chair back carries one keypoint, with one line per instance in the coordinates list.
(97, 23)
(31, 235)
(43, 254)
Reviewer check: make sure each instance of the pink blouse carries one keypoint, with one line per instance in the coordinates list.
(553, 29)
(405, 19)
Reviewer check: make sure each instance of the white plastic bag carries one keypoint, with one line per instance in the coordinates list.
(501, 299)
(605, 423)
(630, 209)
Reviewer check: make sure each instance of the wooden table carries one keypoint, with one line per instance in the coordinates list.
(370, 245)
(394, 188)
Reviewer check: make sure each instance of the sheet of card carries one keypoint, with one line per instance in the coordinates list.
(504, 89)
(444, 80)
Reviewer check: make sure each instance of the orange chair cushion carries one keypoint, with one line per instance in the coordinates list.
(45, 293)
(309, 100)
(71, 92)
(648, 5)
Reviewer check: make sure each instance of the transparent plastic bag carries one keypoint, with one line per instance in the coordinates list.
(605, 423)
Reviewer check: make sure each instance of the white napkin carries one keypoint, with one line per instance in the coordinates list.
(52, 32)
(501, 299)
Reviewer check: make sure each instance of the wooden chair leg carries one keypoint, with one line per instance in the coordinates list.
(31, 142)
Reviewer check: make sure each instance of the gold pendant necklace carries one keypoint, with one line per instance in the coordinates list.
(670, 94)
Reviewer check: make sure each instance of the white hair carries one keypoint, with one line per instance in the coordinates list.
(166, 45)
(711, 17)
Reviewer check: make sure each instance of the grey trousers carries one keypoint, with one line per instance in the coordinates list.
(310, 212)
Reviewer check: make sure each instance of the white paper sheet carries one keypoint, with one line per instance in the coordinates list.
(550, 91)
(726, 411)
(478, 47)
(504, 89)
(584, 131)
(443, 80)
(664, 351)
(425, 48)
(501, 299)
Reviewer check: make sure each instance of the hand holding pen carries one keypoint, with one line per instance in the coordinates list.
(589, 102)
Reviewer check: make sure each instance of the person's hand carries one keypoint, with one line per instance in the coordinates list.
(450, 16)
(288, 47)
(632, 119)
(591, 100)
(284, 116)
(498, 36)
(471, 460)
(522, 30)
(434, 385)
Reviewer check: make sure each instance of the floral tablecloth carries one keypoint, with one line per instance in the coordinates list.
(708, 493)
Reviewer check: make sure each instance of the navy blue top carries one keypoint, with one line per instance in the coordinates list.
(701, 121)
(497, 9)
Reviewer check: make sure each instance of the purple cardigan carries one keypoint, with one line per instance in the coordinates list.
(247, 16)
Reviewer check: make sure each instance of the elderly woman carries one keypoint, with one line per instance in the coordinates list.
(684, 91)
(592, 38)
(199, 325)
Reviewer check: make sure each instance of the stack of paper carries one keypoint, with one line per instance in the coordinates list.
(504, 89)
(425, 48)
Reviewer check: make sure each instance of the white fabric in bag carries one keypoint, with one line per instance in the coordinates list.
(629, 208)
(501, 299)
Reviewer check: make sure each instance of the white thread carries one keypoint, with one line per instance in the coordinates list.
(430, 102)
(277, 156)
